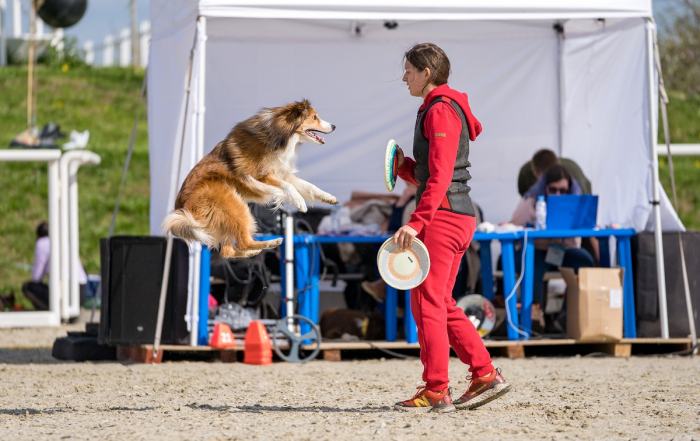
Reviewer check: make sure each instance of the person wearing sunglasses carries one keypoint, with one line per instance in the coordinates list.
(558, 181)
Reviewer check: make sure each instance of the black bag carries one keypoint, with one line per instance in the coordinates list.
(246, 280)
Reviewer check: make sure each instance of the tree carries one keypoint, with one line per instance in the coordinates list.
(680, 50)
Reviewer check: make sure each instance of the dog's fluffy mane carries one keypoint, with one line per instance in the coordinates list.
(273, 127)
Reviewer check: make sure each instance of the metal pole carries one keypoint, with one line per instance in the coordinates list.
(3, 34)
(31, 121)
(656, 208)
(136, 58)
(560, 66)
(168, 250)
(199, 153)
(289, 266)
(163, 294)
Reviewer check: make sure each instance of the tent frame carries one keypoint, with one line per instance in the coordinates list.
(227, 11)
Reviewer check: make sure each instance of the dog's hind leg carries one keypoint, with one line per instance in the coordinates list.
(230, 217)
(249, 244)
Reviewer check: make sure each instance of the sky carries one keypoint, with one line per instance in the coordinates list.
(102, 17)
(110, 16)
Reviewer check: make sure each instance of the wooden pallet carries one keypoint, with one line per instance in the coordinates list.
(332, 351)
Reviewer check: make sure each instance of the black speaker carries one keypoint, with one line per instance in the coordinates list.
(646, 295)
(132, 270)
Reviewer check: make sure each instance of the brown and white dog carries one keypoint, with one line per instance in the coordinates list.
(255, 163)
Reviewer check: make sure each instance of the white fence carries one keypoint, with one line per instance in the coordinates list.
(116, 51)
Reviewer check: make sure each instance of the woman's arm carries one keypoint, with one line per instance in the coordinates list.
(407, 168)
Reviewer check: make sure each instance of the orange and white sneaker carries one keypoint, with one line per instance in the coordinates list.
(483, 390)
(426, 400)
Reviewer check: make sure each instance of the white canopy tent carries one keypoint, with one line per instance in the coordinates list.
(586, 91)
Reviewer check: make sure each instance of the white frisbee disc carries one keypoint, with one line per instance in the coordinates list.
(480, 312)
(403, 269)
(390, 165)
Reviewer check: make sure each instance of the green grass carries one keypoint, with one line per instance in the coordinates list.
(684, 127)
(103, 101)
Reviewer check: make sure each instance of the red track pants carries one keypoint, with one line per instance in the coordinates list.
(440, 323)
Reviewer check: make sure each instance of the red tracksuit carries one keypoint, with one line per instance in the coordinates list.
(447, 235)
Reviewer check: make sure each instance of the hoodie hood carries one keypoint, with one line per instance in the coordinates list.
(462, 100)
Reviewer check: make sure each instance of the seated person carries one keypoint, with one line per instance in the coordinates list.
(558, 181)
(531, 173)
(36, 290)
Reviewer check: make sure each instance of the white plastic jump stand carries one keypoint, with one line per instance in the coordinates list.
(52, 317)
(69, 237)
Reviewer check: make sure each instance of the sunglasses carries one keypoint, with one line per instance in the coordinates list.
(552, 189)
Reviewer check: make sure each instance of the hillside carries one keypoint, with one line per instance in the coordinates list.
(105, 101)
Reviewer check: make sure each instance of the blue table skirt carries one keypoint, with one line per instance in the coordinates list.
(307, 265)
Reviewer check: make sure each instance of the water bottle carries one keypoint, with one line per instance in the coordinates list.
(541, 213)
(335, 219)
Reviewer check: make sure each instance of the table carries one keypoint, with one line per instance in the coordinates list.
(309, 298)
(308, 306)
(307, 275)
(624, 259)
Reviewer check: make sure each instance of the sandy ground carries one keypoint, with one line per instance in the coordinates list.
(552, 398)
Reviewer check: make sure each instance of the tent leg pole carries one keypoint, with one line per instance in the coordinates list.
(656, 207)
(560, 76)
(199, 153)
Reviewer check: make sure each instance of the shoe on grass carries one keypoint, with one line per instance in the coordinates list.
(483, 390)
(426, 400)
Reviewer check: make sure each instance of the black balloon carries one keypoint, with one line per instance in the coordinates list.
(62, 13)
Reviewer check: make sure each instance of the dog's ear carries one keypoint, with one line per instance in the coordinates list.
(286, 121)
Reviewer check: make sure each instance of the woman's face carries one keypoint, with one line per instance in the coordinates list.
(558, 187)
(415, 80)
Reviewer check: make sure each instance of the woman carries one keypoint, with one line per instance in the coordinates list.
(558, 180)
(444, 221)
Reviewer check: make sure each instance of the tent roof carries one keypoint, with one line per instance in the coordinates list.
(423, 10)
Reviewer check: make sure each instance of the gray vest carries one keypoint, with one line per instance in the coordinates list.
(458, 200)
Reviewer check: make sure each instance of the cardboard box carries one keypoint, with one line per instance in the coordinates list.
(594, 304)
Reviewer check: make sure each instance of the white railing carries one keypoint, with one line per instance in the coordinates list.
(679, 149)
(117, 50)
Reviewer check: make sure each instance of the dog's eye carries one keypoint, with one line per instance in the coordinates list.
(313, 117)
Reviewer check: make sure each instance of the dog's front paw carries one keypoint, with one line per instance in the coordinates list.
(301, 206)
(298, 202)
(329, 199)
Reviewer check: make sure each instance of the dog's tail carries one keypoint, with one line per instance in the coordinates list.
(182, 224)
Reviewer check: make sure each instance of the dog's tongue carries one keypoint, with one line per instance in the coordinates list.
(313, 134)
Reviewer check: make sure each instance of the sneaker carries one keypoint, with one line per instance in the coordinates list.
(428, 401)
(376, 289)
(483, 390)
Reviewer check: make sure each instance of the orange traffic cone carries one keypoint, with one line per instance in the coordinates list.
(258, 349)
(222, 337)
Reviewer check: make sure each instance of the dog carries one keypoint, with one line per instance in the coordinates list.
(337, 323)
(256, 162)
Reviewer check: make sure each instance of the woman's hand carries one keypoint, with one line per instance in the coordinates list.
(399, 155)
(403, 238)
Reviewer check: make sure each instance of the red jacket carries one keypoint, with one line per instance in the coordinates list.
(443, 120)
